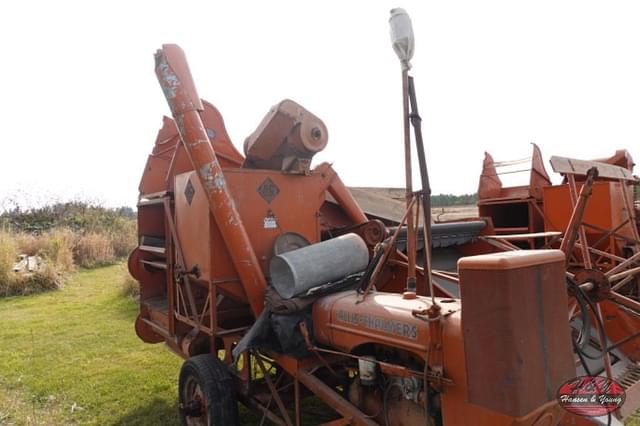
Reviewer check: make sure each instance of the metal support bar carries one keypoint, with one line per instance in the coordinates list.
(271, 397)
(252, 403)
(610, 232)
(627, 273)
(571, 235)
(416, 122)
(420, 270)
(180, 261)
(616, 235)
(411, 247)
(499, 243)
(622, 283)
(387, 251)
(625, 301)
(603, 253)
(296, 397)
(630, 261)
(628, 204)
(334, 400)
(602, 334)
(274, 391)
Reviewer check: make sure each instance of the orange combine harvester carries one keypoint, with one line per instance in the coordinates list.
(267, 277)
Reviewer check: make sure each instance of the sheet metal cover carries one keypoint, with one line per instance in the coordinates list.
(510, 259)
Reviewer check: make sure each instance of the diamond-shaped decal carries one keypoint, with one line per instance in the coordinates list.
(268, 190)
(189, 191)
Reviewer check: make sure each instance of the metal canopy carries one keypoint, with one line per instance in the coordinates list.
(572, 166)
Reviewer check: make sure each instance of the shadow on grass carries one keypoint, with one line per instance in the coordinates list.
(157, 412)
(123, 307)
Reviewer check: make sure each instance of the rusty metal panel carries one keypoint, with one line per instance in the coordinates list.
(264, 218)
(193, 223)
(516, 334)
(565, 165)
(270, 204)
(383, 318)
(490, 185)
(605, 209)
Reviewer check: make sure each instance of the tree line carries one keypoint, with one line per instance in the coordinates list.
(446, 200)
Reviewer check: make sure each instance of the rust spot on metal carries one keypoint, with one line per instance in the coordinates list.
(198, 142)
(168, 80)
(179, 119)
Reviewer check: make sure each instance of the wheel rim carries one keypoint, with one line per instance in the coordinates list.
(195, 404)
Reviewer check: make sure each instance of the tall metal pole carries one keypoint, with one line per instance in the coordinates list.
(403, 42)
(411, 231)
(416, 121)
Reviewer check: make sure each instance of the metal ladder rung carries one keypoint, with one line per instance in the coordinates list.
(154, 264)
(153, 249)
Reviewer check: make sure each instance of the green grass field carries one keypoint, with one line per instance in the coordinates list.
(72, 357)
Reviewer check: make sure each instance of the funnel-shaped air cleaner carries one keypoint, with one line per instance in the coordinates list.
(402, 36)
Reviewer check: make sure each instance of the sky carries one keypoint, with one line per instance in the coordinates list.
(80, 104)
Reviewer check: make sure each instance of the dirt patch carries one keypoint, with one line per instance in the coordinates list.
(441, 214)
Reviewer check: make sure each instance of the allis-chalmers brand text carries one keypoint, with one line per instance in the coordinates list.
(377, 323)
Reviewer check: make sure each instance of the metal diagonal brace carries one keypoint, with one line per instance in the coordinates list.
(571, 235)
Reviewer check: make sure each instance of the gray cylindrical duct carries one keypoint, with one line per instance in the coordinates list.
(296, 271)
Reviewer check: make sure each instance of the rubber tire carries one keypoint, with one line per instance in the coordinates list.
(217, 386)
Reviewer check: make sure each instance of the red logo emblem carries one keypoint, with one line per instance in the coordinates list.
(591, 396)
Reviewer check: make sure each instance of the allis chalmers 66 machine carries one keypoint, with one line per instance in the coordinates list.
(266, 276)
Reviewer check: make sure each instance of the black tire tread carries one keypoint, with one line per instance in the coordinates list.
(216, 384)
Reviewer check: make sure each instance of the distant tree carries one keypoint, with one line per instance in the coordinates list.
(445, 200)
(126, 212)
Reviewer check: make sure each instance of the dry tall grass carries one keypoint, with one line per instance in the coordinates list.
(65, 235)
(49, 277)
(8, 254)
(57, 248)
(29, 244)
(123, 237)
(62, 251)
(93, 250)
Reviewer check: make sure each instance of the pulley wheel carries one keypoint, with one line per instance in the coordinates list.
(289, 241)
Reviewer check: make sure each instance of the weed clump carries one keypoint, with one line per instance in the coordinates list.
(130, 287)
(92, 250)
(50, 276)
(65, 236)
(8, 254)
